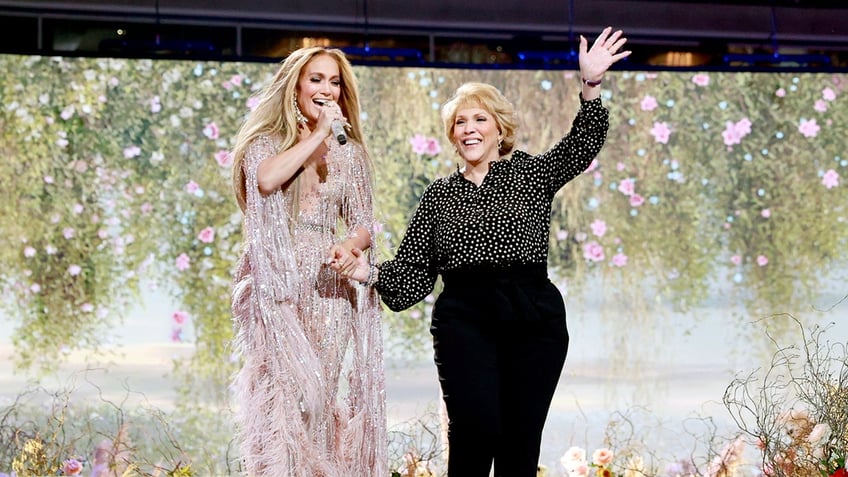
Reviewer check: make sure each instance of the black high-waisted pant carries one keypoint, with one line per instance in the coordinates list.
(500, 341)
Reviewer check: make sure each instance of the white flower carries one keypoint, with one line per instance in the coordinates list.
(821, 432)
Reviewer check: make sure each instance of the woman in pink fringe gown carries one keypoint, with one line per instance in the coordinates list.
(309, 398)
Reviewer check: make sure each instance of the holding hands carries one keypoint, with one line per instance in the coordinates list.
(351, 264)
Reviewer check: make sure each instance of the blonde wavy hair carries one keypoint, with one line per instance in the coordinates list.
(275, 113)
(484, 96)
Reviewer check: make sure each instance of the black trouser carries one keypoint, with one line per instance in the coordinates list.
(500, 342)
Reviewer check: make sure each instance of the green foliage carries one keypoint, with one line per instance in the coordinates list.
(119, 180)
(42, 429)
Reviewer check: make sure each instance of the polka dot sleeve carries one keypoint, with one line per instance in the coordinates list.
(411, 275)
(504, 221)
(574, 152)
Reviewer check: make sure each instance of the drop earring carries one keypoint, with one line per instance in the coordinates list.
(298, 114)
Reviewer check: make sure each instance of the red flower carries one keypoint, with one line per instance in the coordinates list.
(840, 473)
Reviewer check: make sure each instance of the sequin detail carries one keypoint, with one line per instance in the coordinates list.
(309, 398)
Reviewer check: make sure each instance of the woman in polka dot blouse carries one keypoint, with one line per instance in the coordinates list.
(499, 330)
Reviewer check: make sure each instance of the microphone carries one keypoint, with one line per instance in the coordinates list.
(336, 126)
(339, 132)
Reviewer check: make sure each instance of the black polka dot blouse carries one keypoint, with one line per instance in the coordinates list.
(505, 221)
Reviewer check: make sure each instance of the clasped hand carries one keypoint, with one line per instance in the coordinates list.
(351, 264)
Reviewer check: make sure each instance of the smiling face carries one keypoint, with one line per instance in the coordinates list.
(319, 81)
(476, 134)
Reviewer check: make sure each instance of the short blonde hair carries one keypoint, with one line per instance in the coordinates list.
(486, 97)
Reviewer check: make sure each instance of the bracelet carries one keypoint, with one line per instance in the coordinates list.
(591, 84)
(372, 277)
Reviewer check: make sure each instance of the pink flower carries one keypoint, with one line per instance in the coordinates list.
(74, 270)
(179, 317)
(649, 103)
(68, 232)
(604, 456)
(593, 165)
(191, 187)
(620, 166)
(619, 260)
(35, 288)
(252, 103)
(701, 79)
(780, 92)
(419, 144)
(730, 135)
(593, 251)
(743, 126)
(49, 180)
(155, 105)
(599, 227)
(206, 235)
(211, 131)
(828, 94)
(236, 80)
(573, 455)
(222, 157)
(809, 128)
(146, 208)
(627, 186)
(734, 132)
(830, 179)
(661, 132)
(425, 145)
(636, 200)
(736, 259)
(182, 263)
(433, 146)
(71, 467)
(561, 234)
(820, 105)
(29, 252)
(766, 213)
(87, 307)
(177, 334)
(131, 152)
(762, 260)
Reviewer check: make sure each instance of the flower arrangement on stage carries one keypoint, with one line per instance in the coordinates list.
(576, 465)
(804, 448)
(797, 412)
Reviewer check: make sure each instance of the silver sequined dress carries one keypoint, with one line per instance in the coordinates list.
(309, 398)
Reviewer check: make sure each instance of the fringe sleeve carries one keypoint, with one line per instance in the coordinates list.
(358, 209)
(277, 389)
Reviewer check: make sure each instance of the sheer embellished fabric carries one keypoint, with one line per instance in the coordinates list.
(310, 397)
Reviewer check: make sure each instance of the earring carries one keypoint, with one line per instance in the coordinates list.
(298, 114)
(500, 143)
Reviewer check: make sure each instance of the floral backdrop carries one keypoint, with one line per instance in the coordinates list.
(116, 180)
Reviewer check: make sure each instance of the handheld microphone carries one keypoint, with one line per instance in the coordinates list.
(336, 127)
(339, 132)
